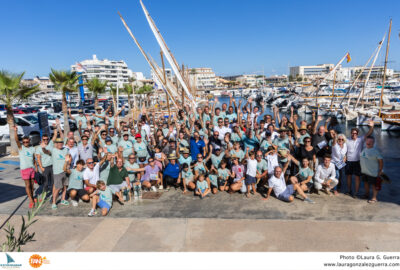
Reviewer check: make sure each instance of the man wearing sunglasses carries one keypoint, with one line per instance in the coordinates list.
(26, 160)
(44, 161)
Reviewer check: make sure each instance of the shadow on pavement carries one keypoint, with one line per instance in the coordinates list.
(10, 192)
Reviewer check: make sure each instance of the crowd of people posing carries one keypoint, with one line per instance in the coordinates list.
(207, 150)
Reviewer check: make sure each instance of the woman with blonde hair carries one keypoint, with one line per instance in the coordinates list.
(339, 151)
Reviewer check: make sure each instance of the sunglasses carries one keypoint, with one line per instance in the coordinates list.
(132, 157)
(199, 157)
(89, 163)
(307, 141)
(340, 140)
(45, 139)
(84, 139)
(103, 134)
(25, 142)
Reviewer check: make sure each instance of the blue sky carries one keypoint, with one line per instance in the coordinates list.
(231, 36)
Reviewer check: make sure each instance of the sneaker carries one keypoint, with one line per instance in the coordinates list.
(54, 206)
(308, 200)
(74, 203)
(153, 188)
(64, 202)
(161, 187)
(92, 213)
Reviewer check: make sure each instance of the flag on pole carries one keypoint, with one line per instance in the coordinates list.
(79, 67)
(348, 57)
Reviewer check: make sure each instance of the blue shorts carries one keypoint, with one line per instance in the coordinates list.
(103, 204)
(202, 190)
(284, 196)
(250, 180)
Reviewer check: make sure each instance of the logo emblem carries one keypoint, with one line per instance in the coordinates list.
(10, 263)
(35, 261)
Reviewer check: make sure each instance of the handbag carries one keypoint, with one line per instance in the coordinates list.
(39, 178)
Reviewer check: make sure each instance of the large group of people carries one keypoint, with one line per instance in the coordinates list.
(234, 148)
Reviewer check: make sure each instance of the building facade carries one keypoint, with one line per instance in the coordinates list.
(106, 70)
(44, 83)
(202, 78)
(249, 80)
(311, 72)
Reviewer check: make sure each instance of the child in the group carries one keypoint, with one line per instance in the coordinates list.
(202, 188)
(213, 176)
(251, 172)
(223, 177)
(75, 187)
(187, 178)
(272, 160)
(102, 198)
(237, 175)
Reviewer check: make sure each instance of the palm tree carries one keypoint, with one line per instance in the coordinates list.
(128, 90)
(113, 91)
(144, 90)
(97, 87)
(64, 81)
(11, 90)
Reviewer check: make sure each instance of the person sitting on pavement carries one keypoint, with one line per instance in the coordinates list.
(103, 198)
(282, 191)
(325, 176)
(75, 181)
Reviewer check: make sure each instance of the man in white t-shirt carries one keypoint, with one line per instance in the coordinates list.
(222, 130)
(91, 175)
(325, 176)
(285, 193)
(355, 145)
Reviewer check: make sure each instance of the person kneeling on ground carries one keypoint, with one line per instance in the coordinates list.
(202, 188)
(171, 173)
(102, 197)
(325, 176)
(284, 193)
(75, 186)
(118, 178)
(187, 178)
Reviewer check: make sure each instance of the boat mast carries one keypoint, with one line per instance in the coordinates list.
(333, 89)
(384, 70)
(165, 82)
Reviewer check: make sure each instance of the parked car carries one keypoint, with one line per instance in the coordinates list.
(27, 125)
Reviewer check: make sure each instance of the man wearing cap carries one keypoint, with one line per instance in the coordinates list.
(126, 145)
(217, 156)
(114, 137)
(141, 149)
(85, 149)
(302, 134)
(58, 154)
(171, 172)
(110, 147)
(80, 120)
(184, 157)
(45, 161)
(100, 115)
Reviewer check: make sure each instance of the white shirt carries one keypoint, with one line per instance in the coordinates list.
(338, 153)
(277, 184)
(222, 131)
(146, 127)
(92, 175)
(272, 161)
(354, 148)
(251, 167)
(74, 154)
(324, 173)
(274, 135)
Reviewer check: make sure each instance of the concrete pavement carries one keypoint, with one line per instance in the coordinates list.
(213, 235)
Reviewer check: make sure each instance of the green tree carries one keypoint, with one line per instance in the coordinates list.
(145, 89)
(291, 79)
(128, 90)
(299, 79)
(97, 87)
(11, 91)
(64, 81)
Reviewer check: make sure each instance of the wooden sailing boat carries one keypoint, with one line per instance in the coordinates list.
(390, 120)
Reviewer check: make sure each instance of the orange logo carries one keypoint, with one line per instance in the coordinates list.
(35, 261)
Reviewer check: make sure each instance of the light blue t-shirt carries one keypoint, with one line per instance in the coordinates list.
(188, 176)
(200, 168)
(82, 119)
(216, 160)
(128, 147)
(369, 161)
(231, 117)
(105, 171)
(202, 184)
(58, 158)
(106, 195)
(240, 154)
(112, 148)
(183, 160)
(132, 175)
(141, 149)
(26, 155)
(75, 179)
(304, 173)
(262, 166)
(45, 158)
(223, 173)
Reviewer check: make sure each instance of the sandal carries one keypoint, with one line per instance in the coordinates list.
(372, 201)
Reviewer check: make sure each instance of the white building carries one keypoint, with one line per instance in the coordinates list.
(311, 72)
(44, 83)
(202, 78)
(247, 79)
(105, 70)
